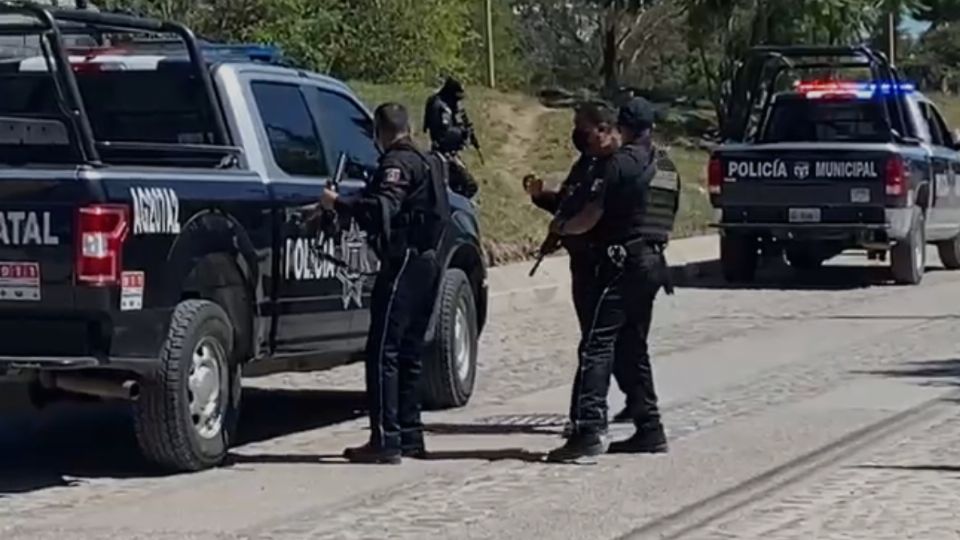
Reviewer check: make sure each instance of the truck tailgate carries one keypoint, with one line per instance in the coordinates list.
(802, 185)
(36, 237)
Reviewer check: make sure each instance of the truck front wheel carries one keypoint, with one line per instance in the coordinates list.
(738, 257)
(451, 365)
(184, 411)
(908, 257)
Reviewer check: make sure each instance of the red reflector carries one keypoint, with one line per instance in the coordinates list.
(101, 231)
(896, 177)
(715, 176)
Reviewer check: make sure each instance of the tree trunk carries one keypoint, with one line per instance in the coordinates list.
(611, 53)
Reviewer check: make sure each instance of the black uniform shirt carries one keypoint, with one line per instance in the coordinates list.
(401, 173)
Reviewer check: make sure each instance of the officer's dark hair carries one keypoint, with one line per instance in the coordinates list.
(598, 113)
(392, 119)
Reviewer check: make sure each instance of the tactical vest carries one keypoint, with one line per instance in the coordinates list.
(424, 219)
(661, 199)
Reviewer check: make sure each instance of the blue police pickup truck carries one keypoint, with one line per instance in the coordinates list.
(155, 237)
(826, 150)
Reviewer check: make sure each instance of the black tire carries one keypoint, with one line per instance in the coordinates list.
(738, 258)
(165, 426)
(949, 251)
(448, 378)
(908, 257)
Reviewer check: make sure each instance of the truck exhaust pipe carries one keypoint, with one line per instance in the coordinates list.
(128, 390)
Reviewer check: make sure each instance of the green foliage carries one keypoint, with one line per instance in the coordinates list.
(937, 12)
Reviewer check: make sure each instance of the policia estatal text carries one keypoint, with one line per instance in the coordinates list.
(406, 212)
(628, 216)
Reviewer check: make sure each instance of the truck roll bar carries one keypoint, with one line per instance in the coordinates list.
(50, 21)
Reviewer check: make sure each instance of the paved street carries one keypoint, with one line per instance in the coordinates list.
(819, 408)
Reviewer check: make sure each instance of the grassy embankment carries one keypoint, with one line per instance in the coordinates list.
(519, 135)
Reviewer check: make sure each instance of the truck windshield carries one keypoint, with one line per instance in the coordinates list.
(826, 120)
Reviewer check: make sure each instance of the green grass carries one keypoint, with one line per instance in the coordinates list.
(519, 136)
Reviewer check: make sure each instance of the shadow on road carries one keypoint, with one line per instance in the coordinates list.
(945, 372)
(492, 429)
(500, 454)
(51, 448)
(775, 275)
(915, 468)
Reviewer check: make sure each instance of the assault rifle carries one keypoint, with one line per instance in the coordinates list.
(473, 135)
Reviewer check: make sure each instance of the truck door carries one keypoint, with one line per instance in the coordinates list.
(348, 128)
(942, 217)
(310, 316)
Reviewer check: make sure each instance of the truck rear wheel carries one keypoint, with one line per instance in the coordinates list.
(949, 251)
(738, 257)
(908, 258)
(184, 410)
(451, 367)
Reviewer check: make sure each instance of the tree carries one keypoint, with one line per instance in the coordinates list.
(622, 44)
(937, 12)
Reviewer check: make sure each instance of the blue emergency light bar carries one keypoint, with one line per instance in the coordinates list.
(862, 90)
(258, 53)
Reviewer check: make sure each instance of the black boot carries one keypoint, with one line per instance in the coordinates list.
(373, 455)
(647, 440)
(580, 445)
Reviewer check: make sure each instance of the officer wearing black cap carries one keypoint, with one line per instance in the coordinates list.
(445, 120)
(406, 211)
(629, 219)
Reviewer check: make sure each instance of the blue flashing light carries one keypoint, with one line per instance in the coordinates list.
(258, 53)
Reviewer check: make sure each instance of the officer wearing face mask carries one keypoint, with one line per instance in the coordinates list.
(570, 196)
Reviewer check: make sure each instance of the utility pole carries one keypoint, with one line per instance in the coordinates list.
(892, 36)
(491, 70)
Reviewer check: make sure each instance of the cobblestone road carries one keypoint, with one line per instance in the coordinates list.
(751, 379)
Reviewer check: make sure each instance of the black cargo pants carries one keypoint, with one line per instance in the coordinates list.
(618, 325)
(628, 357)
(403, 298)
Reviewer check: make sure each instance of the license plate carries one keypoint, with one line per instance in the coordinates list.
(804, 215)
(860, 195)
(19, 281)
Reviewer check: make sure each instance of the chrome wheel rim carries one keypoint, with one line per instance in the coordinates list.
(462, 346)
(206, 388)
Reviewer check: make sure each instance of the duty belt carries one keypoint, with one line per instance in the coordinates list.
(618, 252)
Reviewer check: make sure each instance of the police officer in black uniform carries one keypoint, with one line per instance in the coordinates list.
(445, 120)
(583, 262)
(629, 219)
(405, 210)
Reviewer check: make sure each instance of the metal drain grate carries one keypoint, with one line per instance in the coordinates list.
(531, 420)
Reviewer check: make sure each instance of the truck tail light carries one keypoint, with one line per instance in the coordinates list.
(896, 181)
(715, 176)
(101, 231)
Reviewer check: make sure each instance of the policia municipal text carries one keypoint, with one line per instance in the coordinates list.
(623, 220)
